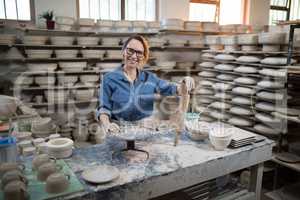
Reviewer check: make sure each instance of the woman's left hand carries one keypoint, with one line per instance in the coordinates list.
(189, 83)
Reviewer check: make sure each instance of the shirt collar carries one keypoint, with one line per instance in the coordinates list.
(141, 74)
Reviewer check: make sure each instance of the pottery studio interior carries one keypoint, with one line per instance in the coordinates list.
(150, 99)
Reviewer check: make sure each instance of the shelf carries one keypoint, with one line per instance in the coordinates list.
(294, 166)
(250, 52)
(285, 117)
(29, 73)
(70, 102)
(54, 88)
(35, 31)
(186, 32)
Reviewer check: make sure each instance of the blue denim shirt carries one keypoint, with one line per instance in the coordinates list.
(120, 99)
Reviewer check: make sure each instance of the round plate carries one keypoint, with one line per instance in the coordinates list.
(100, 174)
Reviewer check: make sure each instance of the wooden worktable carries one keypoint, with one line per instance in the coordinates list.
(169, 168)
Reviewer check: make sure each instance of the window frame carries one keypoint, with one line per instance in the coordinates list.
(123, 9)
(18, 22)
(215, 2)
(286, 8)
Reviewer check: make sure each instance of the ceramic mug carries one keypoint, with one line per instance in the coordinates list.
(5, 167)
(15, 190)
(57, 182)
(13, 175)
(41, 159)
(47, 169)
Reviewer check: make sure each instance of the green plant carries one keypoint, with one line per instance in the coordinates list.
(48, 15)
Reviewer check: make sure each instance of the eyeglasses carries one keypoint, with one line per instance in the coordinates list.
(139, 54)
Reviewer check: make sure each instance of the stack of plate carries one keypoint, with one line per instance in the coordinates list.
(41, 67)
(271, 41)
(35, 40)
(172, 24)
(42, 127)
(165, 64)
(139, 26)
(64, 23)
(7, 39)
(104, 25)
(86, 24)
(241, 137)
(72, 66)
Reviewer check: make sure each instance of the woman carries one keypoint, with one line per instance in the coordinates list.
(127, 93)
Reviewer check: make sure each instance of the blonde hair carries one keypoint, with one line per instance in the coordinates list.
(144, 43)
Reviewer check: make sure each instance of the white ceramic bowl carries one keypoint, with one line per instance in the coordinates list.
(67, 80)
(41, 53)
(35, 40)
(66, 53)
(62, 40)
(197, 130)
(210, 26)
(84, 94)
(89, 78)
(271, 38)
(38, 67)
(8, 105)
(110, 41)
(220, 139)
(60, 147)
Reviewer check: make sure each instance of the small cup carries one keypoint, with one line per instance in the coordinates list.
(46, 170)
(13, 175)
(41, 159)
(5, 167)
(15, 190)
(57, 183)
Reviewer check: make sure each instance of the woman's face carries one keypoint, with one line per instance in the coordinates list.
(133, 54)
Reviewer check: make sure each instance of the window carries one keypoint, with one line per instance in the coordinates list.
(279, 11)
(226, 14)
(15, 9)
(203, 10)
(140, 10)
(100, 9)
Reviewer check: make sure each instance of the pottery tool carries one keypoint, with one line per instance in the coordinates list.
(180, 113)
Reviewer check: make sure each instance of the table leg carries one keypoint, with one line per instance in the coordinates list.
(256, 179)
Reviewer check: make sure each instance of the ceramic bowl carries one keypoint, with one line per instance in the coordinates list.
(72, 66)
(44, 67)
(62, 40)
(40, 160)
(34, 40)
(8, 106)
(12, 175)
(87, 40)
(57, 183)
(89, 78)
(46, 170)
(197, 130)
(110, 41)
(15, 190)
(43, 124)
(6, 167)
(84, 94)
(41, 53)
(60, 147)
(220, 137)
(271, 38)
(66, 53)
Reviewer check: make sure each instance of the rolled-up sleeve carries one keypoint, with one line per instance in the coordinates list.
(164, 87)
(105, 104)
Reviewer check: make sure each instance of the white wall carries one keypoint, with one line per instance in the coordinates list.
(60, 8)
(174, 9)
(259, 12)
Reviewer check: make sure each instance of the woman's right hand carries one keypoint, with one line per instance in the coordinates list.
(112, 128)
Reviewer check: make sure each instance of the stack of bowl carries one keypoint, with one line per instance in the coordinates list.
(72, 66)
(193, 26)
(67, 80)
(84, 94)
(92, 53)
(42, 128)
(7, 39)
(41, 67)
(41, 53)
(70, 53)
(172, 24)
(62, 40)
(210, 27)
(45, 81)
(153, 27)
(87, 41)
(35, 40)
(122, 26)
(104, 25)
(86, 24)
(64, 23)
(110, 41)
(139, 26)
